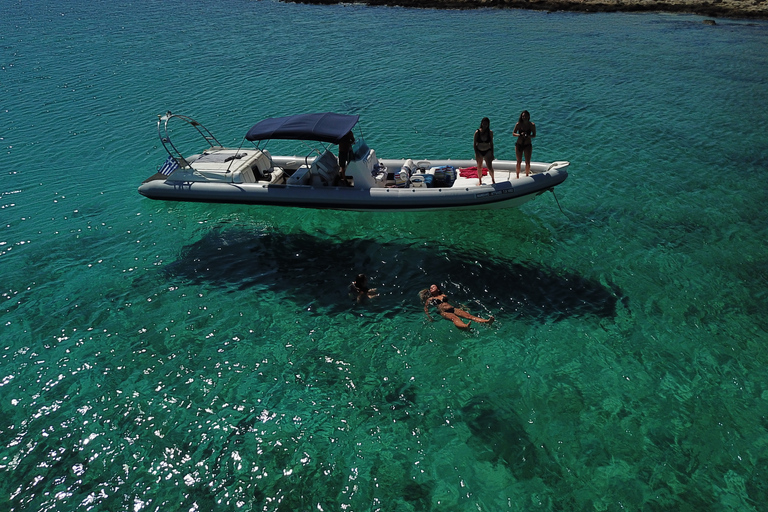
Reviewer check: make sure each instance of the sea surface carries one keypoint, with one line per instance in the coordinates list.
(160, 356)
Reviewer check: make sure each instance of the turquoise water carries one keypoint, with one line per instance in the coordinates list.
(164, 356)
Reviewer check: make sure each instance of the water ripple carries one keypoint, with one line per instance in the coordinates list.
(202, 357)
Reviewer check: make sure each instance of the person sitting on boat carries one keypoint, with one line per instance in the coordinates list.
(359, 289)
(483, 143)
(435, 297)
(524, 130)
(345, 155)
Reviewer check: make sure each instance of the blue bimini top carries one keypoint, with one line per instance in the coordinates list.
(326, 127)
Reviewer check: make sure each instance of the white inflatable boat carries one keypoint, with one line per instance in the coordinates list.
(251, 175)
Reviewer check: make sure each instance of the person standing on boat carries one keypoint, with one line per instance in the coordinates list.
(483, 143)
(435, 297)
(345, 155)
(524, 130)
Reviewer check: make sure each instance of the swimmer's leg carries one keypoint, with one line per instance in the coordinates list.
(464, 314)
(456, 320)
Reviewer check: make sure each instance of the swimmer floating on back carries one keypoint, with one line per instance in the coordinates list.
(435, 297)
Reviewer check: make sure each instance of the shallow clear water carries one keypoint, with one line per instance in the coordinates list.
(160, 356)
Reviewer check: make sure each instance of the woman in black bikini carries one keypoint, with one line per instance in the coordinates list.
(524, 130)
(483, 143)
(435, 297)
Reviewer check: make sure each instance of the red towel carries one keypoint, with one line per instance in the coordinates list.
(471, 172)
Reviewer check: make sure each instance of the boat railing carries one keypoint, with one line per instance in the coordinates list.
(165, 137)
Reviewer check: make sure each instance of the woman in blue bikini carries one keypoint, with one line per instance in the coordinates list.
(435, 297)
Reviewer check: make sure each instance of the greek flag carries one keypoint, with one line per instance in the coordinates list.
(169, 166)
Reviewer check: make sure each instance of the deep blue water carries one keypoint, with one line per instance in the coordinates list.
(163, 356)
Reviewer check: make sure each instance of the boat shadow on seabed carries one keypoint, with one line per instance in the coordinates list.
(315, 273)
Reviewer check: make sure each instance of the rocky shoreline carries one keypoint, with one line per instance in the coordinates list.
(750, 9)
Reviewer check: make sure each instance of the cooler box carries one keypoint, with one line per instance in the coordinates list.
(422, 180)
(418, 180)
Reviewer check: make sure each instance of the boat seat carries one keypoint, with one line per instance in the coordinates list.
(325, 167)
(261, 165)
(300, 177)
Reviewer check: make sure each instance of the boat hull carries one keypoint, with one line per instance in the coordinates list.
(465, 194)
